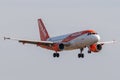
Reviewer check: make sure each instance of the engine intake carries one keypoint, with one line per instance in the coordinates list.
(99, 47)
(95, 47)
(61, 46)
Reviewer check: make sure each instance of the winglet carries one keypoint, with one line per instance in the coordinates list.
(42, 30)
(7, 38)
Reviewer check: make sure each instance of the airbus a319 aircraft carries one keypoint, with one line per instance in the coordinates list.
(72, 41)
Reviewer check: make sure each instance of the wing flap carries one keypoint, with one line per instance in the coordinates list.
(35, 42)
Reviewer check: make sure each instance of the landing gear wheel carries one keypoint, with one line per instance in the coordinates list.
(56, 55)
(81, 55)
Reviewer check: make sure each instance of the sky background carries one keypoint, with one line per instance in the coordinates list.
(18, 19)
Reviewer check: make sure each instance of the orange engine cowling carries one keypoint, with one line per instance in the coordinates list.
(95, 47)
(58, 47)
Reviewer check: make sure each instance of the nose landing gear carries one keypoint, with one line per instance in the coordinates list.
(89, 52)
(81, 55)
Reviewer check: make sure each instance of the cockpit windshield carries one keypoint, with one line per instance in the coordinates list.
(91, 33)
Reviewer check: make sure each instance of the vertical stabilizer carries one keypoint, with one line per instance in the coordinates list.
(43, 32)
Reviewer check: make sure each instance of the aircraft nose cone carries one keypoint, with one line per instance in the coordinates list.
(97, 38)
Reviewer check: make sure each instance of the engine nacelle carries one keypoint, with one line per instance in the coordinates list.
(61, 46)
(95, 47)
(58, 47)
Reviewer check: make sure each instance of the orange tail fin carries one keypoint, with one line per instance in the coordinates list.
(43, 32)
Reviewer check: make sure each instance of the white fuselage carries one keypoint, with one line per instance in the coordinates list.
(81, 41)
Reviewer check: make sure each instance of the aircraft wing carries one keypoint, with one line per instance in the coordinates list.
(108, 42)
(47, 43)
(31, 41)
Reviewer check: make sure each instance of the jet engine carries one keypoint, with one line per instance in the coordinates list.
(95, 47)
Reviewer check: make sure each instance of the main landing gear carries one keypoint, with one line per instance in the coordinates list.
(56, 55)
(81, 55)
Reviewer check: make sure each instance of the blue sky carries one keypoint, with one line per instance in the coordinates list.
(27, 62)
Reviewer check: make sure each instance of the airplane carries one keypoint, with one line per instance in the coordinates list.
(72, 41)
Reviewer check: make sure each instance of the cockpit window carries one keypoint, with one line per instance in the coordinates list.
(91, 33)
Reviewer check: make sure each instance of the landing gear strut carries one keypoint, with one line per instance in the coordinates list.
(56, 55)
(81, 55)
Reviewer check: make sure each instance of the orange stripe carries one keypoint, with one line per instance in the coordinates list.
(77, 34)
